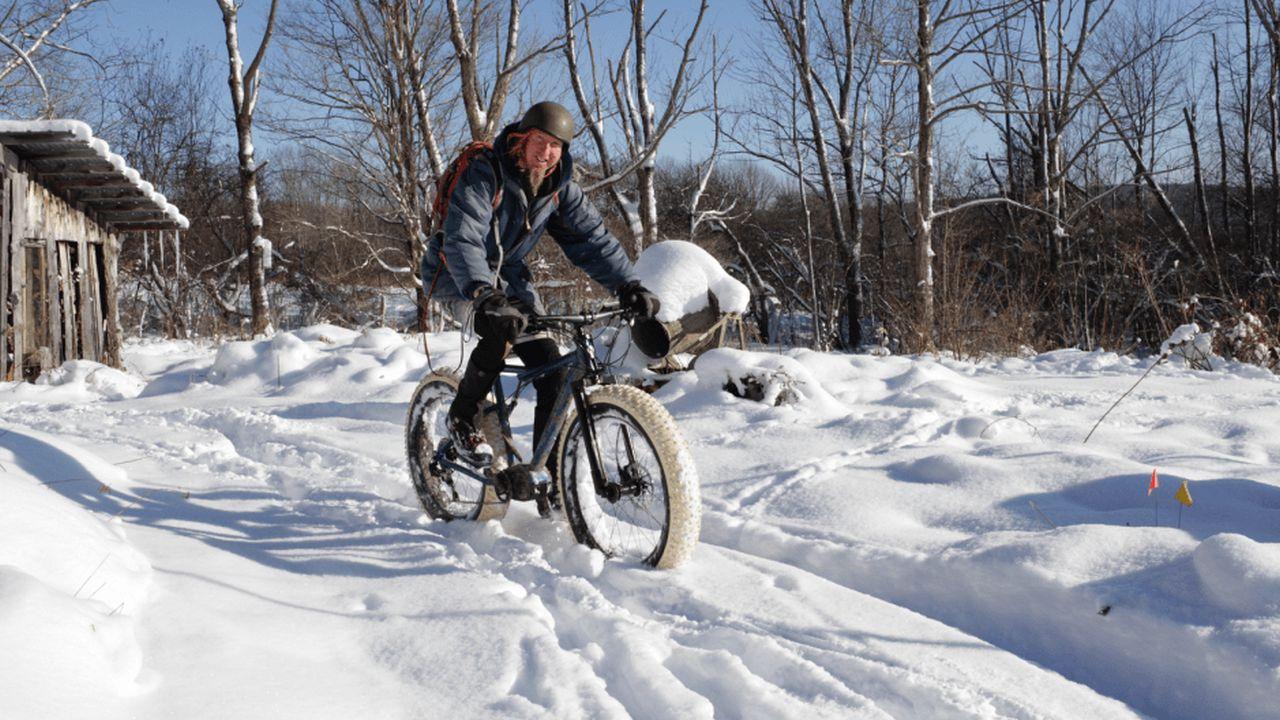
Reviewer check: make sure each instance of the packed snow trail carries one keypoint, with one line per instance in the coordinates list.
(874, 557)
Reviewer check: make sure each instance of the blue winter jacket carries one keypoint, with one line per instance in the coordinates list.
(560, 209)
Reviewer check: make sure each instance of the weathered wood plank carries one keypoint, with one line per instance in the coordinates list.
(66, 295)
(53, 337)
(91, 311)
(6, 232)
(111, 320)
(17, 270)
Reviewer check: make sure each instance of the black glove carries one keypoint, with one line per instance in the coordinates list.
(495, 317)
(638, 301)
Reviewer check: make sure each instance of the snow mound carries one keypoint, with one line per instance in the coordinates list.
(93, 378)
(70, 586)
(379, 339)
(930, 385)
(261, 359)
(51, 637)
(1240, 575)
(682, 274)
(781, 380)
(326, 333)
(71, 551)
(1075, 555)
(328, 361)
(79, 381)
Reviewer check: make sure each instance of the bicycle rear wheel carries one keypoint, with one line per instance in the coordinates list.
(655, 512)
(444, 494)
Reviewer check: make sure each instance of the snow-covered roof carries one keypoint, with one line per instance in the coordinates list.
(66, 157)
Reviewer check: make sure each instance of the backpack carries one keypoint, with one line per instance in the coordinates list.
(445, 186)
(448, 180)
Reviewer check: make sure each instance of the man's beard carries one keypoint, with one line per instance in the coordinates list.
(536, 176)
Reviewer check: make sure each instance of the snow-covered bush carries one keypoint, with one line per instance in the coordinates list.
(764, 377)
(1247, 339)
(1190, 344)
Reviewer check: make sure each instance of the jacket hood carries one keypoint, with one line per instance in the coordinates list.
(502, 146)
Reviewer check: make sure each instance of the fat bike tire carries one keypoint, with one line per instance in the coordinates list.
(637, 438)
(446, 495)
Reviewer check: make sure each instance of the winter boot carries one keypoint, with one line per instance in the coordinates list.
(469, 443)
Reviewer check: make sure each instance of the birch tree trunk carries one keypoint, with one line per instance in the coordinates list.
(244, 85)
(792, 25)
(1224, 198)
(1246, 153)
(923, 176)
(485, 111)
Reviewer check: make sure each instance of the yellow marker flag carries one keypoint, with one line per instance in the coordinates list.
(1183, 495)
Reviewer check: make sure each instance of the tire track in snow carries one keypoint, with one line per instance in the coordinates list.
(775, 484)
(1018, 611)
(679, 644)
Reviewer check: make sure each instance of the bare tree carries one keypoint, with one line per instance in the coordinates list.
(29, 35)
(630, 100)
(835, 77)
(245, 84)
(364, 77)
(1269, 15)
(484, 110)
(160, 116)
(946, 31)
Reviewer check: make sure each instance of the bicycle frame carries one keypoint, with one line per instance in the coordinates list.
(580, 365)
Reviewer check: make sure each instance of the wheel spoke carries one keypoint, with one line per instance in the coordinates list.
(632, 527)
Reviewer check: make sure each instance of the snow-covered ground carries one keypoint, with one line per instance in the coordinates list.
(230, 532)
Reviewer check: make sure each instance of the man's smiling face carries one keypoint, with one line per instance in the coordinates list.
(541, 152)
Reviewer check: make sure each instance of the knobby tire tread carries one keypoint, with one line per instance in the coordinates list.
(684, 503)
(439, 384)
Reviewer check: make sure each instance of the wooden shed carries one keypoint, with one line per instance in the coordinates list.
(66, 204)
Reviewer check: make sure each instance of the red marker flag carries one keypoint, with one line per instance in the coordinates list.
(1155, 483)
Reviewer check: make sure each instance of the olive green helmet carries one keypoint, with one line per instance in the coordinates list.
(551, 118)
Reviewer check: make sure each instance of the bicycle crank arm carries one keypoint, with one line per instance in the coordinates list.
(523, 482)
(463, 469)
(517, 482)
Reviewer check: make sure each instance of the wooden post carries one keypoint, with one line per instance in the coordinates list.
(88, 299)
(53, 339)
(6, 233)
(17, 265)
(111, 310)
(64, 293)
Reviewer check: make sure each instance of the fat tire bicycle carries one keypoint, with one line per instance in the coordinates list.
(626, 482)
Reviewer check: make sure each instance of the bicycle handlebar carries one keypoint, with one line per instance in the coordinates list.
(604, 312)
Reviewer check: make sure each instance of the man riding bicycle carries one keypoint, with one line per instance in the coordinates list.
(499, 208)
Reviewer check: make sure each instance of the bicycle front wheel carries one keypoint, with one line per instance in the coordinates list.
(651, 510)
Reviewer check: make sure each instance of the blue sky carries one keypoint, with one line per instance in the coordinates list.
(183, 23)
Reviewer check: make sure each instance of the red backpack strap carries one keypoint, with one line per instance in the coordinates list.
(448, 180)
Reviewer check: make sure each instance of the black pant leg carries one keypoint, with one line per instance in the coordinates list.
(482, 368)
(536, 353)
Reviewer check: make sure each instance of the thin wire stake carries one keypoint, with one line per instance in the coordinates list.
(1161, 359)
(90, 577)
(1044, 517)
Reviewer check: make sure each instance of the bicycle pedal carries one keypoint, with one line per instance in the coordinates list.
(520, 482)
